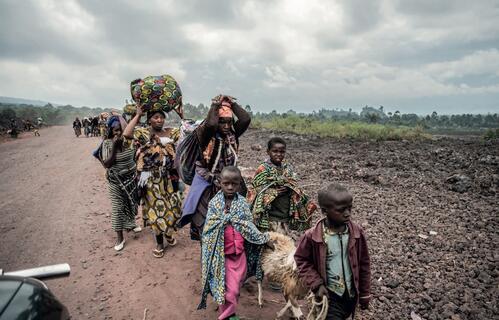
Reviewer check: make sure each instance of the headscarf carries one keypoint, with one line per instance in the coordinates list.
(115, 121)
(225, 110)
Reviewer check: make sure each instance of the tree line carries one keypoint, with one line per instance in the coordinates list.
(59, 115)
(379, 116)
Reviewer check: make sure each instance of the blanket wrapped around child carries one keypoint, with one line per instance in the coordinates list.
(263, 191)
(213, 256)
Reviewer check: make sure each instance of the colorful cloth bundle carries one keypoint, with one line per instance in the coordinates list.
(155, 93)
(130, 109)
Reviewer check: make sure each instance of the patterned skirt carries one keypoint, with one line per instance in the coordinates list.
(122, 192)
(161, 205)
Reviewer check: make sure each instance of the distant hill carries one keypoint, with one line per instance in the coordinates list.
(24, 101)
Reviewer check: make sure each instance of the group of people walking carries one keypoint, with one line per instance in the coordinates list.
(149, 165)
(92, 126)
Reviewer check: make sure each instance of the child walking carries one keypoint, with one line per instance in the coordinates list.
(277, 202)
(226, 239)
(332, 257)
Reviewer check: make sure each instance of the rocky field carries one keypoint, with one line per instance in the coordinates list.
(430, 210)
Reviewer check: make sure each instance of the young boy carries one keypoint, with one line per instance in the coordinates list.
(277, 203)
(225, 254)
(332, 257)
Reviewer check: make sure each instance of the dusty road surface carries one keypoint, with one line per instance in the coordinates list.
(430, 210)
(54, 208)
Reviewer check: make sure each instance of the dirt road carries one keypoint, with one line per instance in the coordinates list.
(432, 240)
(54, 208)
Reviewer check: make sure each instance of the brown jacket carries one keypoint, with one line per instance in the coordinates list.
(310, 259)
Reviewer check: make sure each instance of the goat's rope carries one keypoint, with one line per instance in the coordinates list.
(318, 309)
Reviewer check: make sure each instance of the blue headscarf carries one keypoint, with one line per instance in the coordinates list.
(115, 120)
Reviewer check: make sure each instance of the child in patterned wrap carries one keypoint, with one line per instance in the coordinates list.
(225, 256)
(276, 199)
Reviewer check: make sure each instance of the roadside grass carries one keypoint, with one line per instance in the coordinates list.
(341, 129)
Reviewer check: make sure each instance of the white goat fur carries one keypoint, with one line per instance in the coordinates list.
(279, 266)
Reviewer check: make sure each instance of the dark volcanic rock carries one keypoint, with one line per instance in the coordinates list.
(400, 191)
(459, 183)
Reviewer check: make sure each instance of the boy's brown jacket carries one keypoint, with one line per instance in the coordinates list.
(310, 259)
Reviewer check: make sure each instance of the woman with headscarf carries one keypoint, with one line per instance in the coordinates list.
(218, 138)
(119, 159)
(158, 178)
(156, 96)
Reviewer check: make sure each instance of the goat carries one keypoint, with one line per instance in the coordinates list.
(279, 266)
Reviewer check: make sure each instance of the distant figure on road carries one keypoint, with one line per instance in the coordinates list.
(13, 128)
(86, 126)
(102, 125)
(77, 127)
(95, 126)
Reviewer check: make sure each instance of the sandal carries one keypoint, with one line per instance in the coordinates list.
(158, 253)
(171, 242)
(119, 246)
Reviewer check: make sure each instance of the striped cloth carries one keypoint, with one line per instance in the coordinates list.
(121, 178)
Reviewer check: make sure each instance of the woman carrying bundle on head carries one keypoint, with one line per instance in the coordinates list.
(156, 96)
(118, 158)
(218, 139)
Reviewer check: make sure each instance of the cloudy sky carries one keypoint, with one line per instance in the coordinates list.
(412, 56)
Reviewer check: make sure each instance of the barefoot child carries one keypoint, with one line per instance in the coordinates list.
(277, 202)
(332, 257)
(228, 228)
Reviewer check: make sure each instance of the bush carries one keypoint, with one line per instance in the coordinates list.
(491, 134)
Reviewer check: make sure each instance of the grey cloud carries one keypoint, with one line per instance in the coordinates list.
(361, 16)
(219, 14)
(25, 35)
(138, 31)
(366, 59)
(413, 53)
(440, 7)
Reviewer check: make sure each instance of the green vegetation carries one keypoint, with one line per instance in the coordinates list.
(340, 129)
(491, 134)
(374, 123)
(370, 123)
